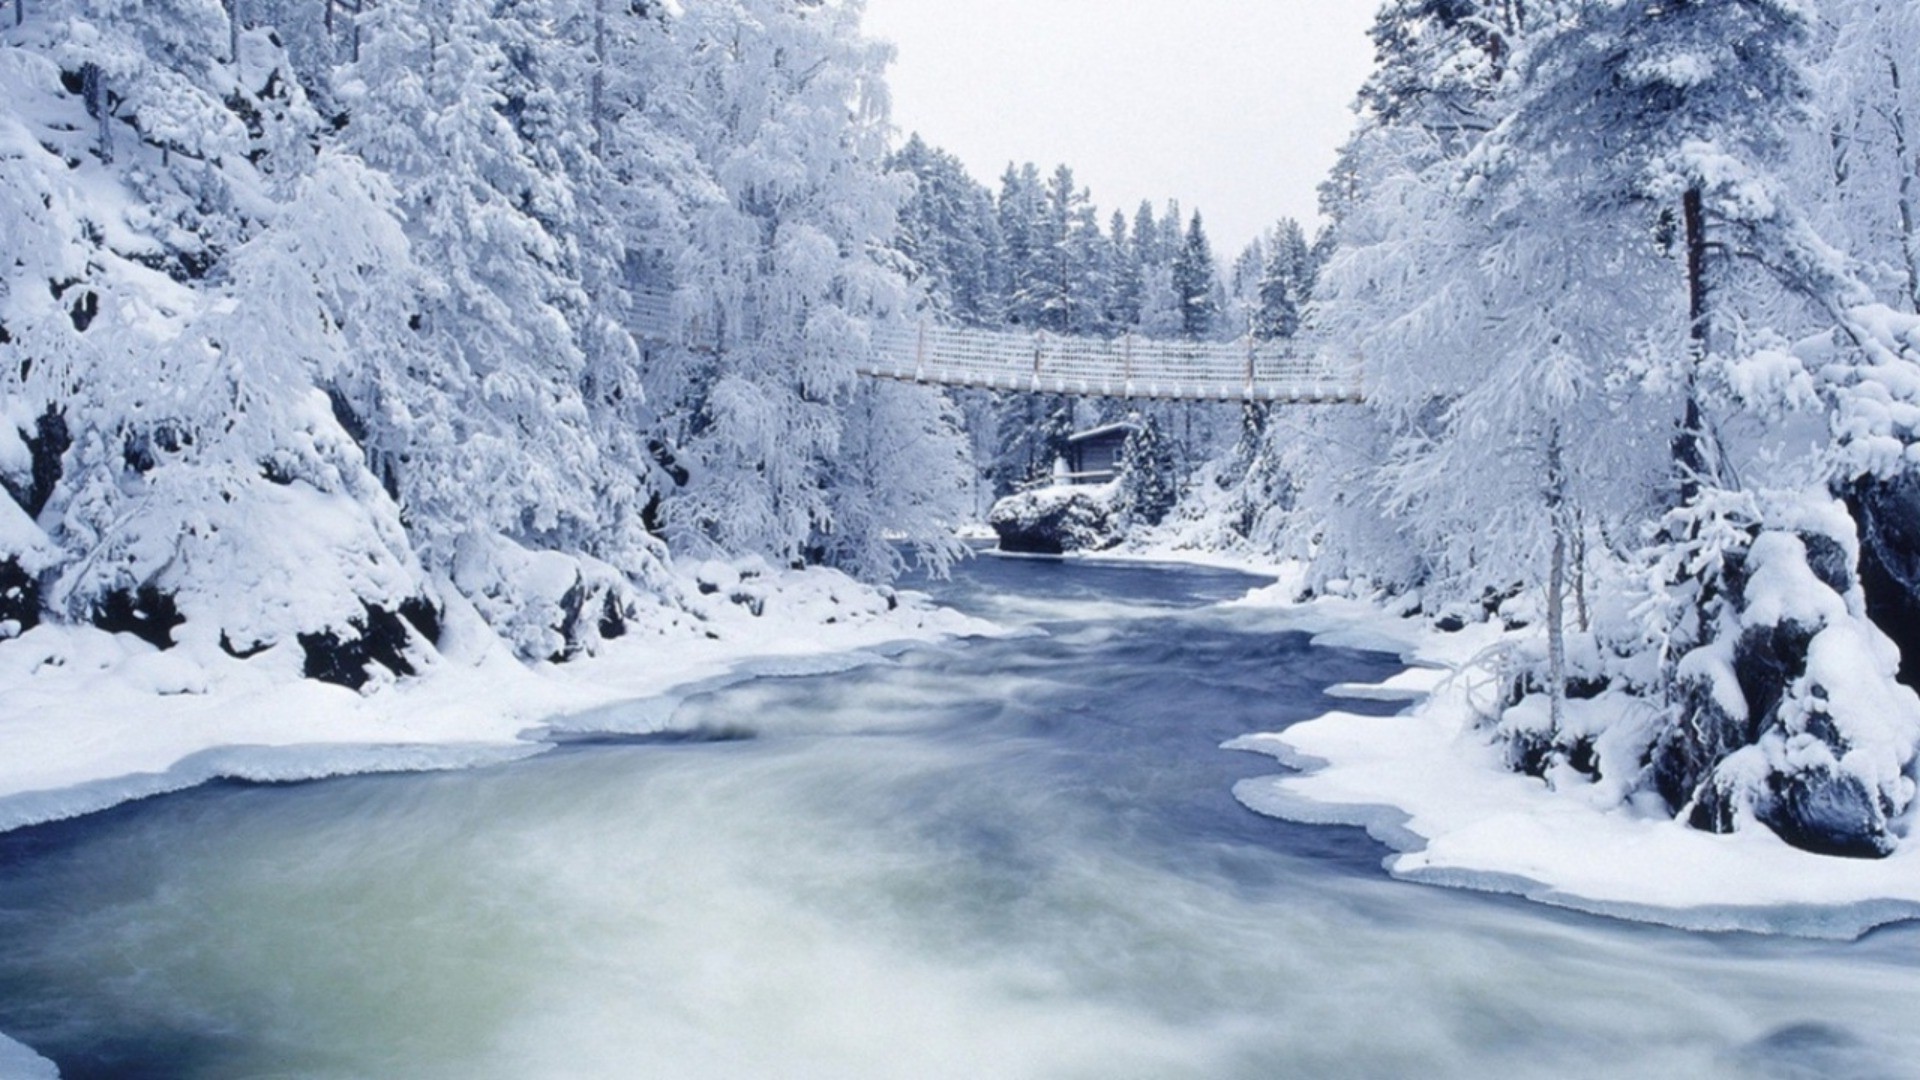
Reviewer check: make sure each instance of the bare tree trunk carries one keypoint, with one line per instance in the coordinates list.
(1584, 615)
(19, 12)
(359, 9)
(1557, 583)
(327, 6)
(1907, 163)
(233, 31)
(1690, 451)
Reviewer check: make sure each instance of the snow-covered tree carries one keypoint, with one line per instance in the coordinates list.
(1149, 484)
(787, 274)
(950, 233)
(1195, 283)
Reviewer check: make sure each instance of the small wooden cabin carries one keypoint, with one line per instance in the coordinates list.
(1093, 456)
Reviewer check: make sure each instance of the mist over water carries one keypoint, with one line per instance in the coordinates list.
(991, 859)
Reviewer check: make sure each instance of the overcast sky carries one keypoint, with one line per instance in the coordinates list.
(1233, 106)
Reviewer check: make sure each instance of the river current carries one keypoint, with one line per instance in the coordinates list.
(1009, 858)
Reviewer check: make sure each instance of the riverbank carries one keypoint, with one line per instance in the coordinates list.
(90, 719)
(1431, 784)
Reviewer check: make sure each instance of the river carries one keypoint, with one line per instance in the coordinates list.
(1009, 858)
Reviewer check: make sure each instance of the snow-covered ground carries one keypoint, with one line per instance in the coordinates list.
(90, 719)
(1430, 784)
(20, 1063)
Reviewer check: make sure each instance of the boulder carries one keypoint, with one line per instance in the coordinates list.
(1055, 520)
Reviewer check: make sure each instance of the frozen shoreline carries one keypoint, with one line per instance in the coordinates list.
(89, 720)
(1428, 783)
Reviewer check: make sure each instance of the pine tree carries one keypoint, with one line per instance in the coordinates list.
(1061, 299)
(1128, 282)
(1194, 283)
(950, 233)
(1149, 487)
(1025, 285)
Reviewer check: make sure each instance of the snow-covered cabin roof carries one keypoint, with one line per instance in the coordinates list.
(1118, 427)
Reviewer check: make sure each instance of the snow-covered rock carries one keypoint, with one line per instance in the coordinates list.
(1788, 713)
(1056, 519)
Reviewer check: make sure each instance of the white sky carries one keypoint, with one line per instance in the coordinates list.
(1231, 106)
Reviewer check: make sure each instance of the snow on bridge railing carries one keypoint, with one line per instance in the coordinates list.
(1124, 367)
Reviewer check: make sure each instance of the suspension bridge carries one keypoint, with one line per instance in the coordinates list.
(1128, 366)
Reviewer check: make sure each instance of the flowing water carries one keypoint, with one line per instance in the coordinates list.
(991, 859)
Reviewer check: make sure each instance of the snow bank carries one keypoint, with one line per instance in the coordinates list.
(90, 719)
(1431, 784)
(19, 1063)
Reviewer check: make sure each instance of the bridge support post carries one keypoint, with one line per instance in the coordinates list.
(920, 354)
(1039, 347)
(1126, 363)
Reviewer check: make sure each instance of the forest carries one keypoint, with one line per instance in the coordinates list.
(315, 316)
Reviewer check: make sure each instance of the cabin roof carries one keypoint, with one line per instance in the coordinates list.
(1121, 427)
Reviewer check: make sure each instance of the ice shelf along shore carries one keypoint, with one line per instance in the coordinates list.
(90, 719)
(1432, 784)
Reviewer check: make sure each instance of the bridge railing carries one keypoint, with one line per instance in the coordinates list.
(1126, 366)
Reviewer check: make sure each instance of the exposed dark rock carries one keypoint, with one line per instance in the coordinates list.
(19, 596)
(46, 443)
(586, 602)
(146, 612)
(143, 447)
(613, 619)
(1706, 759)
(1584, 757)
(346, 416)
(1581, 688)
(1530, 752)
(1766, 660)
(1827, 812)
(85, 310)
(424, 617)
(1684, 756)
(227, 646)
(197, 264)
(1829, 561)
(378, 637)
(273, 471)
(1888, 515)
